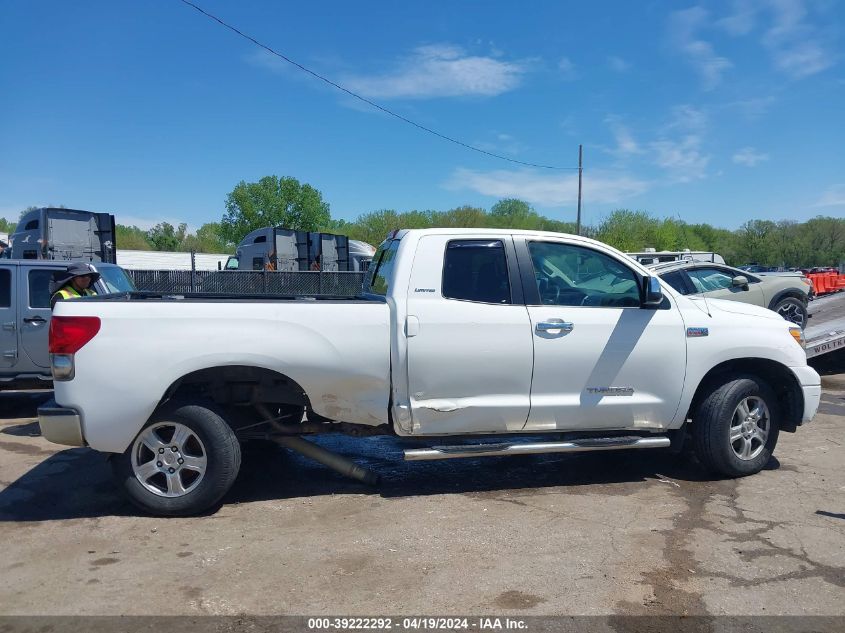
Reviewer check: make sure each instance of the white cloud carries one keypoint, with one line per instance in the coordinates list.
(742, 20)
(567, 69)
(803, 59)
(683, 27)
(265, 59)
(618, 64)
(626, 145)
(797, 46)
(547, 189)
(501, 144)
(682, 158)
(676, 148)
(753, 107)
(833, 197)
(749, 157)
(687, 118)
(440, 71)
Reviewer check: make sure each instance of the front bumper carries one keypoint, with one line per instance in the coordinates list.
(810, 382)
(60, 425)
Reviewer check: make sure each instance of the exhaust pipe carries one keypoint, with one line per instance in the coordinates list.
(336, 462)
(534, 448)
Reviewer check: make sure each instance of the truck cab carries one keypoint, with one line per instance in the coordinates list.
(64, 234)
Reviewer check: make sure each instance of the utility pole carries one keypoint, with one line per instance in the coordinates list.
(580, 171)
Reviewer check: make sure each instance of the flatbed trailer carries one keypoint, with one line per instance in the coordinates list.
(825, 331)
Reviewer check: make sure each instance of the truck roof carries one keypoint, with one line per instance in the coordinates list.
(470, 231)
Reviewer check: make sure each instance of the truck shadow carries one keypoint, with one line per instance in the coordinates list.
(77, 483)
(72, 484)
(22, 404)
(275, 474)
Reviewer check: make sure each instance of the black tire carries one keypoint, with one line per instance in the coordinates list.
(793, 310)
(712, 420)
(219, 445)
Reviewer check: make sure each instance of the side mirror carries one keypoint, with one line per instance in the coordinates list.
(653, 292)
(739, 280)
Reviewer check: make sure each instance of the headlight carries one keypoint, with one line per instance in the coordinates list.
(798, 334)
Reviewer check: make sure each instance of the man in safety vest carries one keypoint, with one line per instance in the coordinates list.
(74, 283)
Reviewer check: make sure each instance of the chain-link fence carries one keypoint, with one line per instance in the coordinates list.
(250, 282)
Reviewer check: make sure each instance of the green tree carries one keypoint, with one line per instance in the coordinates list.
(6, 226)
(165, 237)
(132, 238)
(272, 201)
(629, 230)
(206, 240)
(461, 217)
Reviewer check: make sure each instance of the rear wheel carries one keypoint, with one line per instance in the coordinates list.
(793, 310)
(735, 428)
(181, 463)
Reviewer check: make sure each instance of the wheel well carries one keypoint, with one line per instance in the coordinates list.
(795, 294)
(238, 385)
(778, 377)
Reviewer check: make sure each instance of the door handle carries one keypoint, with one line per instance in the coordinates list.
(548, 326)
(35, 319)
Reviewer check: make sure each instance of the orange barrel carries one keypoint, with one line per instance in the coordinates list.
(817, 284)
(822, 284)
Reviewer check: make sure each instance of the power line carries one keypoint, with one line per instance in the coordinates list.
(365, 100)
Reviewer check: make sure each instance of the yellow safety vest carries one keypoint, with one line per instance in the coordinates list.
(69, 292)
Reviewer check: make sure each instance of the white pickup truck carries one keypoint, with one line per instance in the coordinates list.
(471, 342)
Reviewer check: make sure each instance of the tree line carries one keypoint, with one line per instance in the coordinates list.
(284, 201)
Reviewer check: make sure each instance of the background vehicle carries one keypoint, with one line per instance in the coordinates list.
(786, 294)
(651, 256)
(289, 250)
(25, 314)
(64, 234)
(463, 338)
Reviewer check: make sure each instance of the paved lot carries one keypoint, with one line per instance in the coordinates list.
(638, 533)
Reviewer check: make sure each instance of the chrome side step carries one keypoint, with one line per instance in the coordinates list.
(533, 448)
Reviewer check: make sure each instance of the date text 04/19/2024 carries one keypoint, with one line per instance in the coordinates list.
(424, 623)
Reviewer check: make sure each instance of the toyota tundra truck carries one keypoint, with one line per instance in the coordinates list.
(462, 343)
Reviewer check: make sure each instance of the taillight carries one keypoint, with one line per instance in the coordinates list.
(70, 333)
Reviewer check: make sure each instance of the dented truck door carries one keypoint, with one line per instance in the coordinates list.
(469, 342)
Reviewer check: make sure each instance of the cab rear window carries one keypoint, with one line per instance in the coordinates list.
(381, 275)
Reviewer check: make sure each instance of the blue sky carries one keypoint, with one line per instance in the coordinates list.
(716, 112)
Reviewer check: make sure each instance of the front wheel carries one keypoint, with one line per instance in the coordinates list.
(792, 310)
(735, 427)
(181, 463)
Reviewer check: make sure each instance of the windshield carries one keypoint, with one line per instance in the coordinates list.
(115, 279)
(232, 263)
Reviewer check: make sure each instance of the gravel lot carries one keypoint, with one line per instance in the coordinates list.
(636, 533)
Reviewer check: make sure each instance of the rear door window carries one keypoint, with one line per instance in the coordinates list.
(39, 287)
(476, 270)
(5, 288)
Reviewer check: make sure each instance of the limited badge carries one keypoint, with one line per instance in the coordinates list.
(696, 332)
